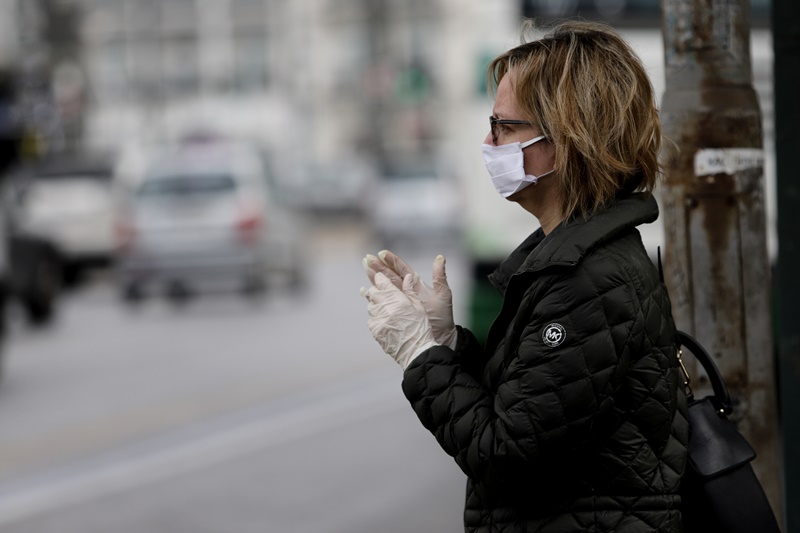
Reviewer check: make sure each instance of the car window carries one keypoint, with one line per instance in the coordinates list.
(187, 186)
(101, 175)
(409, 171)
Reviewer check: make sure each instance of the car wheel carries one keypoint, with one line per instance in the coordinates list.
(178, 293)
(254, 286)
(132, 293)
(71, 276)
(298, 280)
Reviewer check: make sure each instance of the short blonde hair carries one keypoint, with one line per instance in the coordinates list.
(587, 91)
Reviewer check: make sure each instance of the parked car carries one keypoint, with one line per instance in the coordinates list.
(330, 188)
(65, 206)
(412, 201)
(203, 218)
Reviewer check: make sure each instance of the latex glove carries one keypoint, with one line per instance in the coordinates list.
(398, 320)
(437, 300)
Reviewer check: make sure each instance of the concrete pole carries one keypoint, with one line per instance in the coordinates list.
(716, 263)
(376, 103)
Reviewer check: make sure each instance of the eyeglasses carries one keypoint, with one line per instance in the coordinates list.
(494, 121)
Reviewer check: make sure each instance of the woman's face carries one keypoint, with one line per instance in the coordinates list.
(543, 199)
(539, 157)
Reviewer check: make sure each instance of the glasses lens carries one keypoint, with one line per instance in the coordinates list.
(493, 128)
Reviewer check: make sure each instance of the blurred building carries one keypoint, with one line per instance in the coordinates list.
(317, 80)
(158, 69)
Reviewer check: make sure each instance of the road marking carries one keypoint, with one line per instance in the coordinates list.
(341, 405)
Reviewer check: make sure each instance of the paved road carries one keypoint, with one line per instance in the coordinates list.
(226, 415)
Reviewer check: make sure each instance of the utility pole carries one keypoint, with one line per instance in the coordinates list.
(786, 39)
(377, 105)
(716, 263)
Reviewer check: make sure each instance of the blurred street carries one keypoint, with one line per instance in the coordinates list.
(223, 415)
(202, 143)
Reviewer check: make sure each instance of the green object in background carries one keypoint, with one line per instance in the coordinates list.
(484, 306)
(484, 59)
(412, 85)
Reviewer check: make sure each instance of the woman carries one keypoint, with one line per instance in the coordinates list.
(572, 416)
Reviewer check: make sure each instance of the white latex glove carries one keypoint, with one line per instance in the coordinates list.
(437, 300)
(398, 320)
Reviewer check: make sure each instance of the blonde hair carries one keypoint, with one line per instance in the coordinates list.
(587, 91)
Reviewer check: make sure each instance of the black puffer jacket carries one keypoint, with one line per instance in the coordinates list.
(573, 417)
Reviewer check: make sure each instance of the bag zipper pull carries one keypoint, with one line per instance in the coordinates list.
(686, 379)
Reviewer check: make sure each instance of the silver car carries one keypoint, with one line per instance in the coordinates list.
(413, 203)
(203, 218)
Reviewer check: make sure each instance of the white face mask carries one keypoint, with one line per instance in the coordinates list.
(506, 166)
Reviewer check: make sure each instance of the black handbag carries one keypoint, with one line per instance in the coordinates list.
(719, 491)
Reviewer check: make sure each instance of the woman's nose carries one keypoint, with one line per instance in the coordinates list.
(488, 139)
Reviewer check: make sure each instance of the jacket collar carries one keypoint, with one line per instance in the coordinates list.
(567, 244)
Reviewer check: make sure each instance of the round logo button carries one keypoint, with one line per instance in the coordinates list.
(554, 334)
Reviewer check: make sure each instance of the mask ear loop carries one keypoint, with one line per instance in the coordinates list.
(534, 140)
(535, 179)
(545, 174)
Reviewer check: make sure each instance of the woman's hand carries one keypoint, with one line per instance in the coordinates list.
(398, 320)
(437, 300)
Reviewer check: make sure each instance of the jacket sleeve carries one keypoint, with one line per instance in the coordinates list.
(469, 352)
(550, 398)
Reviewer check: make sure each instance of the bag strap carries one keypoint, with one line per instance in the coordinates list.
(722, 397)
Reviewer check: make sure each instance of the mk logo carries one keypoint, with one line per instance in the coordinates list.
(554, 334)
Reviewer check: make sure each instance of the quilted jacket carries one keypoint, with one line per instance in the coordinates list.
(572, 417)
